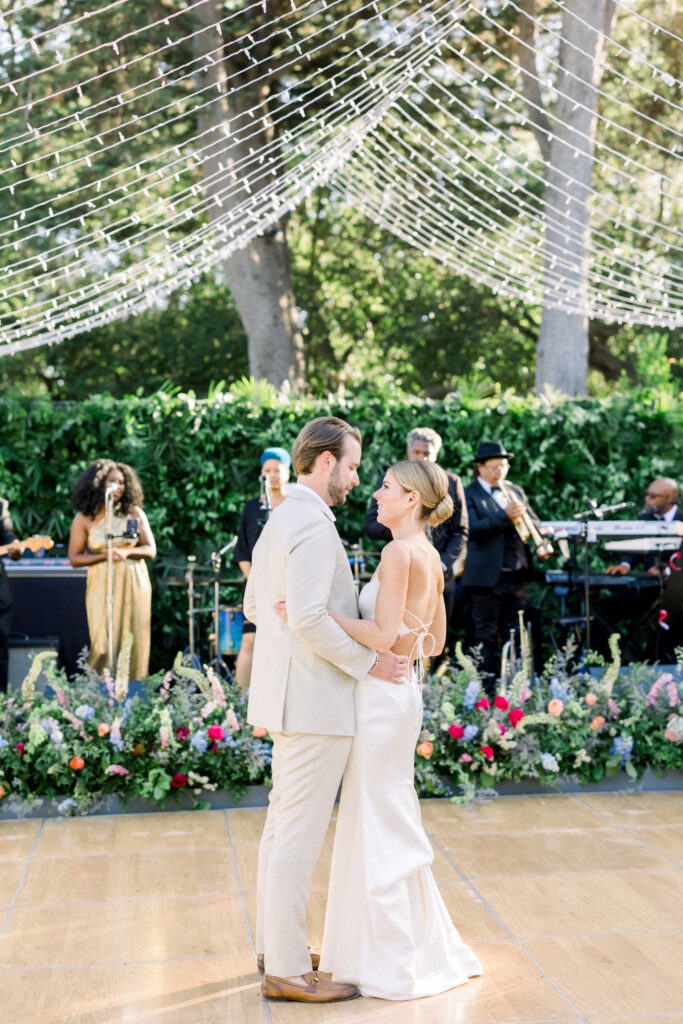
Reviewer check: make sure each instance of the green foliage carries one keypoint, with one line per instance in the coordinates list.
(198, 460)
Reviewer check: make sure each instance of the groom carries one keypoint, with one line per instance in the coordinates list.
(302, 692)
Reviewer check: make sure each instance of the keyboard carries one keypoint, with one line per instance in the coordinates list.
(632, 581)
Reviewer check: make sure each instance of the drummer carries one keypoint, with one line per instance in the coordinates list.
(275, 465)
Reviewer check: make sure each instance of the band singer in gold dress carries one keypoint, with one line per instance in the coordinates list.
(133, 543)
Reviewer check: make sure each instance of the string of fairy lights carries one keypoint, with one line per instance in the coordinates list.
(138, 190)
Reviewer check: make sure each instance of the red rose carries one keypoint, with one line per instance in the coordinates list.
(179, 780)
(501, 703)
(483, 704)
(182, 732)
(502, 728)
(20, 747)
(487, 752)
(515, 716)
(216, 732)
(456, 731)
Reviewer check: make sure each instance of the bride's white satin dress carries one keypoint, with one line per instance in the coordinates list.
(387, 929)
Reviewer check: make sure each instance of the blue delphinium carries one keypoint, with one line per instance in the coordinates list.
(558, 691)
(470, 732)
(623, 746)
(470, 695)
(549, 763)
(199, 741)
(85, 712)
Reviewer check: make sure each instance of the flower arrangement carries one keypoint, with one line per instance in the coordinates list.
(566, 723)
(80, 741)
(186, 733)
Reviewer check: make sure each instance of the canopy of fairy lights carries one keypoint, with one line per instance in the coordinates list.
(409, 124)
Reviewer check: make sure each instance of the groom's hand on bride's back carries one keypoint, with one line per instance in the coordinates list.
(391, 667)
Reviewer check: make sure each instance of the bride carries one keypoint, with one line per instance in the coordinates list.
(387, 929)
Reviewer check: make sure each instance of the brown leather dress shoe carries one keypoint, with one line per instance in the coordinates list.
(307, 988)
(315, 962)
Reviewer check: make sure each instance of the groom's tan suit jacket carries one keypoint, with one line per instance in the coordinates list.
(303, 670)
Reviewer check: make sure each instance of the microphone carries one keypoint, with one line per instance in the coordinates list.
(615, 508)
(112, 488)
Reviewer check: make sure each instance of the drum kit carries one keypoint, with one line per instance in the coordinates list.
(227, 621)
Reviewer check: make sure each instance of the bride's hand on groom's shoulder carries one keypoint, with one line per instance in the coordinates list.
(393, 668)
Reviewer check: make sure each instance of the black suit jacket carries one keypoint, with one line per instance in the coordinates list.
(490, 525)
(648, 561)
(448, 537)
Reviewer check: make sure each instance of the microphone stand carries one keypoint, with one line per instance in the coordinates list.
(109, 535)
(593, 511)
(215, 561)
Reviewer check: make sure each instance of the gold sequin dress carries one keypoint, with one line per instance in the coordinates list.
(132, 601)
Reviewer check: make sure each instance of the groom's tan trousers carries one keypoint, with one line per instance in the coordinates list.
(307, 771)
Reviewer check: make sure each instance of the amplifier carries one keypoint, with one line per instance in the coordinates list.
(21, 652)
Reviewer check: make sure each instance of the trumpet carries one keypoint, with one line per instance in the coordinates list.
(526, 528)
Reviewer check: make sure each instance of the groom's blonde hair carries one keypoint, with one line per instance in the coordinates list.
(323, 434)
(431, 483)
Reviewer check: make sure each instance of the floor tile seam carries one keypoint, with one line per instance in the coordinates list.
(242, 896)
(127, 963)
(578, 874)
(124, 853)
(513, 832)
(626, 831)
(127, 899)
(590, 934)
(21, 880)
(516, 941)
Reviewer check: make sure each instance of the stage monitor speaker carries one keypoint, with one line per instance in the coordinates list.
(21, 652)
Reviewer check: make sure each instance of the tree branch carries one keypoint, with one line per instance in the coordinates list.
(531, 89)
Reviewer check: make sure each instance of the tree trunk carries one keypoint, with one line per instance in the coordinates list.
(562, 350)
(259, 275)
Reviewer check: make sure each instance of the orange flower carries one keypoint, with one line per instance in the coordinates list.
(556, 707)
(425, 749)
(137, 750)
(259, 731)
(103, 729)
(2, 792)
(597, 722)
(590, 699)
(76, 763)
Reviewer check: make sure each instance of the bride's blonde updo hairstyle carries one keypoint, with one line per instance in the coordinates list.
(431, 483)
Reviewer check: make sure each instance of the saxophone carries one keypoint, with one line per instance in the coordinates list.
(526, 528)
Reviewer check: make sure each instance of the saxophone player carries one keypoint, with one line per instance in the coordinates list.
(499, 558)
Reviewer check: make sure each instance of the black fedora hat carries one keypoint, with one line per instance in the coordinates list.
(491, 450)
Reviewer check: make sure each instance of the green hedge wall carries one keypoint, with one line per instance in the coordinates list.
(198, 460)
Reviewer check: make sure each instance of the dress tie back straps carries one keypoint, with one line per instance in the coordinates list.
(417, 651)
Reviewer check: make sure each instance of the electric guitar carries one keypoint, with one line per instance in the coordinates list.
(33, 543)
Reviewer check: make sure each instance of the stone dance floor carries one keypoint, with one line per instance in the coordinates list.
(574, 905)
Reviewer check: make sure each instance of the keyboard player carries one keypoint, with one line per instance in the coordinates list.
(641, 608)
(661, 504)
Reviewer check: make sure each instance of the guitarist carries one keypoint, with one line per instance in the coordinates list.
(15, 549)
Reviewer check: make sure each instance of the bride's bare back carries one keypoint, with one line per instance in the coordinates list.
(423, 594)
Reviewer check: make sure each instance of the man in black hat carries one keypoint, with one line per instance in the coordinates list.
(498, 562)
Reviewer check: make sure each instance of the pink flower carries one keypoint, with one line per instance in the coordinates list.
(456, 731)
(501, 703)
(482, 705)
(487, 752)
(179, 780)
(232, 720)
(672, 693)
(614, 708)
(515, 716)
(502, 728)
(216, 732)
(116, 769)
(597, 722)
(163, 735)
(590, 699)
(555, 707)
(524, 693)
(20, 747)
(465, 758)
